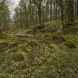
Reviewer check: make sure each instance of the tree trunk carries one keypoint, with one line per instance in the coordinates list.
(39, 13)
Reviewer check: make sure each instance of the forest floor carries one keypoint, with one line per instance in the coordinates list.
(38, 55)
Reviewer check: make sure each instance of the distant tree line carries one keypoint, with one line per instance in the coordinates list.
(31, 12)
(36, 12)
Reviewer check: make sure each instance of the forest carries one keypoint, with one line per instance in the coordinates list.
(39, 39)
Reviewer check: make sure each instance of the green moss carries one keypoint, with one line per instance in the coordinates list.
(39, 56)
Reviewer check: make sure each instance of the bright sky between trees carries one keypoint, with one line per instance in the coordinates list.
(12, 5)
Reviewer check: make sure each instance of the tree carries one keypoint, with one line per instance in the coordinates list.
(38, 4)
(61, 4)
(50, 9)
(69, 12)
(21, 16)
(4, 15)
(77, 7)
